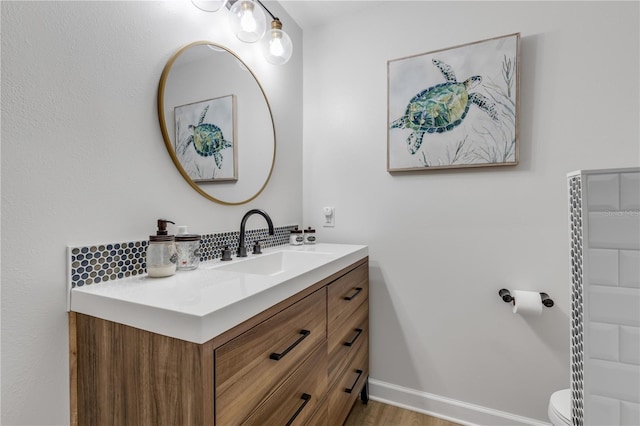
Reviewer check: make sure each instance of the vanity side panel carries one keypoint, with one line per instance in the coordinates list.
(73, 370)
(131, 376)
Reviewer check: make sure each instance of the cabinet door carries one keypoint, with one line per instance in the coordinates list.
(298, 398)
(251, 366)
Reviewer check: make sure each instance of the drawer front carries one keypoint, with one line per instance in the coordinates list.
(346, 293)
(321, 416)
(351, 379)
(251, 366)
(345, 339)
(297, 399)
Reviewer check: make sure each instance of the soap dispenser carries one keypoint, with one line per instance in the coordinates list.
(161, 252)
(188, 249)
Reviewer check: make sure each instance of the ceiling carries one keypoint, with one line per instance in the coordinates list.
(313, 13)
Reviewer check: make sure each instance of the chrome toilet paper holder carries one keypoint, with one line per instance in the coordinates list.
(508, 298)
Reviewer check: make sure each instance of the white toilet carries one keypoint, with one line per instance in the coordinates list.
(560, 408)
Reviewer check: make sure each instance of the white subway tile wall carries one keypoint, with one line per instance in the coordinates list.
(629, 414)
(604, 341)
(630, 345)
(614, 229)
(615, 305)
(605, 411)
(630, 268)
(603, 267)
(610, 211)
(630, 196)
(603, 192)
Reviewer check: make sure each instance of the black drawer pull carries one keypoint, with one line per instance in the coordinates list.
(349, 390)
(278, 357)
(358, 332)
(358, 290)
(306, 398)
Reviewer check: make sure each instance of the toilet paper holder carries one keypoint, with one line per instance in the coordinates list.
(506, 296)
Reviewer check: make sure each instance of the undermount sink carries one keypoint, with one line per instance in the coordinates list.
(277, 262)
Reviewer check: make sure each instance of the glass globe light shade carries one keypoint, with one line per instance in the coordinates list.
(248, 21)
(276, 44)
(208, 5)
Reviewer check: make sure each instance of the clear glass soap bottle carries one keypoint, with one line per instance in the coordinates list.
(161, 252)
(188, 249)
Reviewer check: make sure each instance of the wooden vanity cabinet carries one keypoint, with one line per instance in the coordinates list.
(122, 375)
(301, 362)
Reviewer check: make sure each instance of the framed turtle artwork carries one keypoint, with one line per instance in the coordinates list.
(455, 107)
(205, 139)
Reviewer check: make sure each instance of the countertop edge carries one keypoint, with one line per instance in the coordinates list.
(201, 329)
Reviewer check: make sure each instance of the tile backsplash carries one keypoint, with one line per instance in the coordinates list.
(90, 265)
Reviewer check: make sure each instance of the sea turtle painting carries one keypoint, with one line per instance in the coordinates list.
(442, 107)
(207, 139)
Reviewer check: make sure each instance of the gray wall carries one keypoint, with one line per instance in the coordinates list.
(443, 243)
(83, 162)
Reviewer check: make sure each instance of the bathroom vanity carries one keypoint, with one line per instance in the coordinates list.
(279, 338)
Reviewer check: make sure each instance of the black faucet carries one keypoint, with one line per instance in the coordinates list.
(242, 250)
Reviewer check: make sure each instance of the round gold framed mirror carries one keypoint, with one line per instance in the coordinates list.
(216, 123)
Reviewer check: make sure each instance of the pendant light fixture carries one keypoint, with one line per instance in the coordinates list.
(276, 44)
(248, 22)
(208, 5)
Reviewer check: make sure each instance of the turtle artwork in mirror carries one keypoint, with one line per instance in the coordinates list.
(216, 123)
(204, 139)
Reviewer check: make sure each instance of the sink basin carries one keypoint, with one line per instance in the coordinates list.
(277, 263)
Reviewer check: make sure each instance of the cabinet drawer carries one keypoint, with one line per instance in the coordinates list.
(347, 292)
(346, 338)
(321, 416)
(245, 369)
(297, 399)
(348, 385)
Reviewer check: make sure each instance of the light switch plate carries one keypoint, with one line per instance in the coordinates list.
(329, 217)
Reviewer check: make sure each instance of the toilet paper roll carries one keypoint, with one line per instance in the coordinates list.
(527, 302)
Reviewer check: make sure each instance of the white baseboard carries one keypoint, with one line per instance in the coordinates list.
(445, 408)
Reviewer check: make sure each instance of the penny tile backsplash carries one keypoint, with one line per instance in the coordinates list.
(94, 264)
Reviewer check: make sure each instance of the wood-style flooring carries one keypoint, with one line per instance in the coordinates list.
(379, 414)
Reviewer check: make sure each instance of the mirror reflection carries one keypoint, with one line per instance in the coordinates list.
(216, 123)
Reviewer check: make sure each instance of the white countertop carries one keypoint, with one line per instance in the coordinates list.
(199, 305)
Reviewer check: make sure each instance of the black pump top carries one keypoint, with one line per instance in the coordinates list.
(162, 226)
